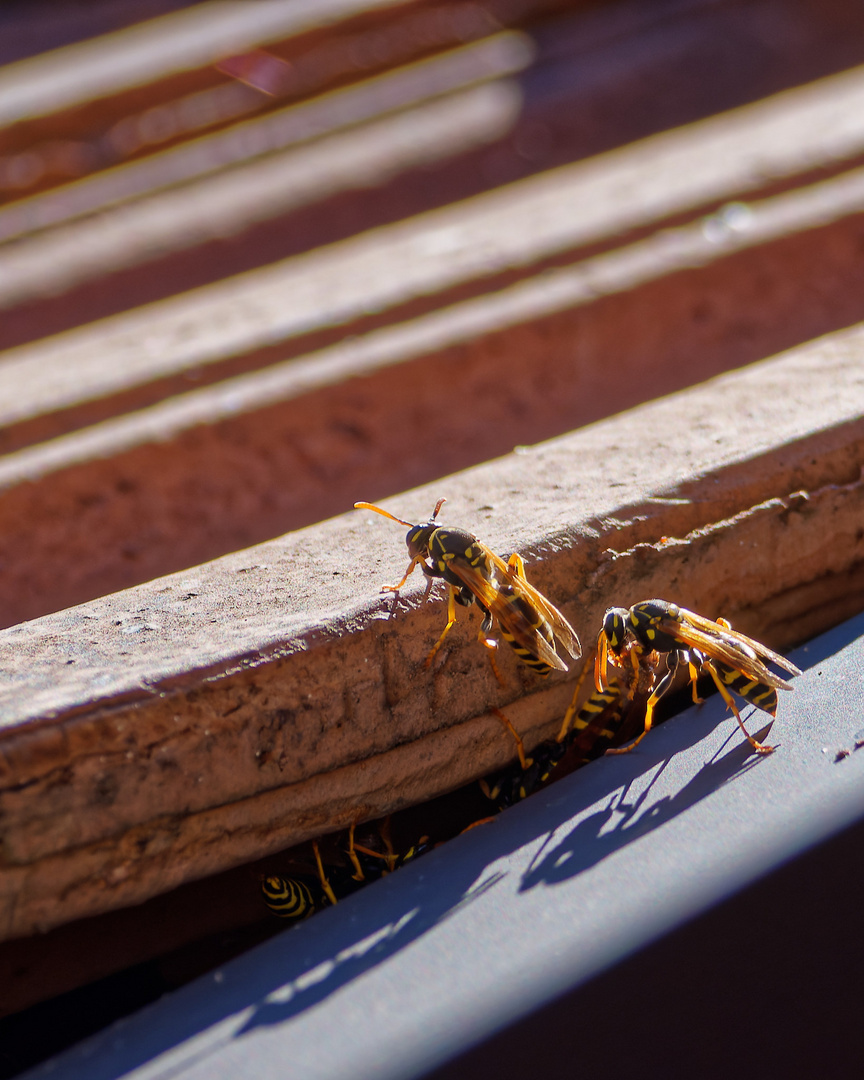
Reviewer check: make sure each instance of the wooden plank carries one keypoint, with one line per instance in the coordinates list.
(337, 110)
(199, 721)
(684, 52)
(173, 78)
(300, 441)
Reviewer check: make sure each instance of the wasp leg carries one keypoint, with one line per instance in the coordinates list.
(451, 618)
(649, 709)
(760, 748)
(418, 559)
(693, 667)
(480, 821)
(520, 746)
(325, 884)
(358, 874)
(658, 692)
(567, 722)
(490, 643)
(384, 829)
(635, 657)
(516, 566)
(601, 661)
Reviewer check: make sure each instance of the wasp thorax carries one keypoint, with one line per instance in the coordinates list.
(656, 609)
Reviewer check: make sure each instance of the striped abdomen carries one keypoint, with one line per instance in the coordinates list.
(593, 730)
(525, 611)
(288, 898)
(516, 783)
(595, 726)
(757, 693)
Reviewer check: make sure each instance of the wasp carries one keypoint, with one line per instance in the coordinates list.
(609, 715)
(296, 898)
(292, 898)
(527, 621)
(735, 662)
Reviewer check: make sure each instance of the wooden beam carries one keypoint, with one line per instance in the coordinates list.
(202, 720)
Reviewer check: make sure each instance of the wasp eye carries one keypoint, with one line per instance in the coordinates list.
(417, 540)
(615, 627)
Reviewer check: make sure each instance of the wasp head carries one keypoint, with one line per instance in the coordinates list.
(615, 625)
(419, 535)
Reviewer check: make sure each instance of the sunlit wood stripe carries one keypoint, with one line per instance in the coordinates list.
(284, 131)
(517, 226)
(159, 48)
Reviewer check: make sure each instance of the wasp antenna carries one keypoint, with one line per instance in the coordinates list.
(438, 506)
(384, 513)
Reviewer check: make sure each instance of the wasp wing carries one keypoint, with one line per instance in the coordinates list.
(729, 647)
(747, 642)
(561, 629)
(514, 621)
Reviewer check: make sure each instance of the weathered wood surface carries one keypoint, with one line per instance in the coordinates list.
(213, 716)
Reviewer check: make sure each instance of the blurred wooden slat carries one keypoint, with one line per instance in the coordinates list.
(394, 91)
(147, 52)
(129, 93)
(583, 93)
(467, 247)
(33, 27)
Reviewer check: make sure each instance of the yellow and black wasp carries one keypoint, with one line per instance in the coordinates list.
(610, 715)
(292, 898)
(734, 661)
(528, 622)
(298, 897)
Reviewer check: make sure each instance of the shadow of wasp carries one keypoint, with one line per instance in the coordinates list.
(644, 645)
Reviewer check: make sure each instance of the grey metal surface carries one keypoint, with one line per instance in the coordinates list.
(416, 968)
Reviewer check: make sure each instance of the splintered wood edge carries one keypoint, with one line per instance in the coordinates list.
(206, 719)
